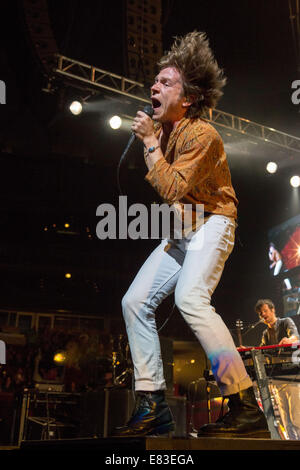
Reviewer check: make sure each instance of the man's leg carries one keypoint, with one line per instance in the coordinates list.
(204, 262)
(288, 401)
(201, 271)
(294, 408)
(154, 282)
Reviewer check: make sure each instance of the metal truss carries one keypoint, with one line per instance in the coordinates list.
(98, 78)
(102, 79)
(252, 129)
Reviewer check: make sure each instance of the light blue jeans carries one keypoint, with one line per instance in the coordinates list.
(192, 268)
(288, 400)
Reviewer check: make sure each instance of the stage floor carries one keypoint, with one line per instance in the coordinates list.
(159, 444)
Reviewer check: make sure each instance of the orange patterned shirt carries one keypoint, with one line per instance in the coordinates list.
(194, 169)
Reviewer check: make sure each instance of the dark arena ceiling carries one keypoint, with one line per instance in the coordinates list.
(57, 168)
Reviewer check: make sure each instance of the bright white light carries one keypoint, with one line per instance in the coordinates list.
(75, 108)
(115, 122)
(272, 167)
(295, 181)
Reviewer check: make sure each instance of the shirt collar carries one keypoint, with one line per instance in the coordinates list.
(182, 124)
(276, 324)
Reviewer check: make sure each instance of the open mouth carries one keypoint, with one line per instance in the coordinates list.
(155, 103)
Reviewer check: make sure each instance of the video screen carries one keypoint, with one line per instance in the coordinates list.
(284, 246)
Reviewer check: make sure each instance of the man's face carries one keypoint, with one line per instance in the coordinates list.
(267, 314)
(167, 95)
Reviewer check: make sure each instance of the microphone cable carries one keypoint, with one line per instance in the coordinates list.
(149, 111)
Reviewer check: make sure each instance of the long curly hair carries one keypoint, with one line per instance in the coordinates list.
(203, 80)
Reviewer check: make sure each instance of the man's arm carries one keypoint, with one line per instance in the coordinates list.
(173, 181)
(289, 340)
(292, 335)
(195, 162)
(143, 128)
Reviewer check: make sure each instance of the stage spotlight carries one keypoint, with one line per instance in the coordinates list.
(115, 122)
(295, 181)
(272, 167)
(75, 108)
(68, 275)
(60, 357)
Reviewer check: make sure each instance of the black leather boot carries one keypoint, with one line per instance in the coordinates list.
(151, 416)
(244, 419)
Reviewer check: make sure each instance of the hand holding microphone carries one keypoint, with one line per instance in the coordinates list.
(147, 110)
(143, 126)
(144, 130)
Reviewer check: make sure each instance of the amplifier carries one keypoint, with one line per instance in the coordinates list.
(104, 410)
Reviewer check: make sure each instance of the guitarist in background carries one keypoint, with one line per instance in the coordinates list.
(282, 331)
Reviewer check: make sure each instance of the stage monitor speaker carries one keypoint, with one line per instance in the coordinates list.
(102, 411)
(92, 414)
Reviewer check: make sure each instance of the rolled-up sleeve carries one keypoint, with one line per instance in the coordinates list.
(291, 328)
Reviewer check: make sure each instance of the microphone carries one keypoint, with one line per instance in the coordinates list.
(257, 323)
(254, 325)
(147, 110)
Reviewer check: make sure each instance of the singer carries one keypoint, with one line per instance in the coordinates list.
(187, 164)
